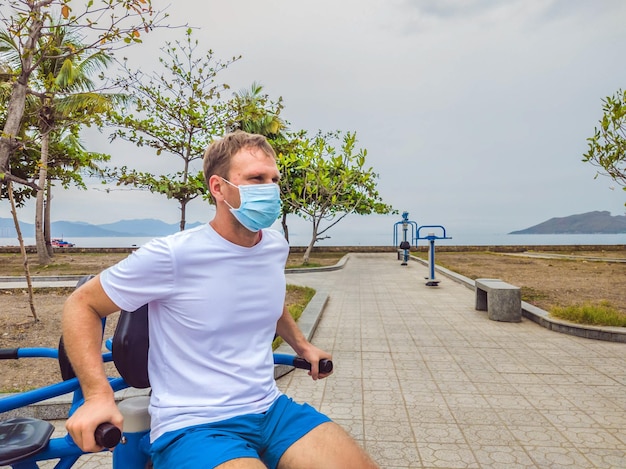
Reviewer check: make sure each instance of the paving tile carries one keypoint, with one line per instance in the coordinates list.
(523, 417)
(566, 419)
(447, 455)
(503, 457)
(430, 414)
(426, 432)
(393, 454)
(512, 401)
(590, 438)
(487, 434)
(537, 435)
(388, 431)
(606, 458)
(468, 401)
(560, 457)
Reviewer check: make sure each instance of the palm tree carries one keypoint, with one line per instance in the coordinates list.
(65, 97)
(256, 114)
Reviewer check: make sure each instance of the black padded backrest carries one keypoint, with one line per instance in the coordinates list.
(67, 372)
(130, 347)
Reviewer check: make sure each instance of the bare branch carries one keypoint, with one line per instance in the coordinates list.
(8, 177)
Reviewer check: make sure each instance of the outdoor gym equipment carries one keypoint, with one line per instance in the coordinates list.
(431, 281)
(405, 244)
(26, 441)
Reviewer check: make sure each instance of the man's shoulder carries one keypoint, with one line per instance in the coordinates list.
(273, 246)
(275, 237)
(187, 236)
(182, 240)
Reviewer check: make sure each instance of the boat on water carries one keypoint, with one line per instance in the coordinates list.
(61, 243)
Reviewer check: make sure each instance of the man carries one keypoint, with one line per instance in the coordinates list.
(215, 297)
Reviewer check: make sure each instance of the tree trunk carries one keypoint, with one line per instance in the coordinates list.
(15, 112)
(283, 222)
(47, 233)
(17, 101)
(307, 252)
(183, 212)
(42, 252)
(29, 284)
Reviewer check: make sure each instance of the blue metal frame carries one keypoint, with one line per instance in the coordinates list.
(431, 237)
(405, 223)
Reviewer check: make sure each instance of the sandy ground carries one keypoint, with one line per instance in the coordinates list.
(548, 282)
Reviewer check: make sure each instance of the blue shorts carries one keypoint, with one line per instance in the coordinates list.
(261, 436)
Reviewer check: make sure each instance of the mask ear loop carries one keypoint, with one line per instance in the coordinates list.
(228, 182)
(226, 201)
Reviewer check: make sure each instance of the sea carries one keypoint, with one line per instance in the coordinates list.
(383, 239)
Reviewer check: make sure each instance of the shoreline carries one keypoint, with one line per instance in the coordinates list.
(30, 249)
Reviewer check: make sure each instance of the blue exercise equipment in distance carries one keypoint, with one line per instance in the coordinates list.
(405, 244)
(431, 281)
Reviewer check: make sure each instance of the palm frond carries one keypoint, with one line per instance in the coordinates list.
(9, 52)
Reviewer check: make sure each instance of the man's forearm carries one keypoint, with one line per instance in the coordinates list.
(291, 333)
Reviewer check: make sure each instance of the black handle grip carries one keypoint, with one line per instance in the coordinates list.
(107, 435)
(8, 353)
(325, 366)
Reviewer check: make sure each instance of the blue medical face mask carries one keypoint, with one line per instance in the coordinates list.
(260, 205)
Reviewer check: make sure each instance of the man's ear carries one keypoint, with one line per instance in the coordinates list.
(215, 187)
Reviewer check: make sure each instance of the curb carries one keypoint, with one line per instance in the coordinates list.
(329, 268)
(542, 317)
(42, 278)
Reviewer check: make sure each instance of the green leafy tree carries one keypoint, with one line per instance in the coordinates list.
(176, 112)
(326, 179)
(607, 147)
(288, 145)
(107, 23)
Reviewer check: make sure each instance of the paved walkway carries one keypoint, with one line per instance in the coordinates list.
(422, 380)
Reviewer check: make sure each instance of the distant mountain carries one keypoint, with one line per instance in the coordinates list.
(146, 227)
(125, 228)
(584, 223)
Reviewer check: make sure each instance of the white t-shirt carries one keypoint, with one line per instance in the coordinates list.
(213, 307)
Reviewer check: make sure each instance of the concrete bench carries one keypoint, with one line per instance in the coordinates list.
(502, 301)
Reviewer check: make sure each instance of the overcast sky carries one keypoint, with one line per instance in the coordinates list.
(475, 113)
